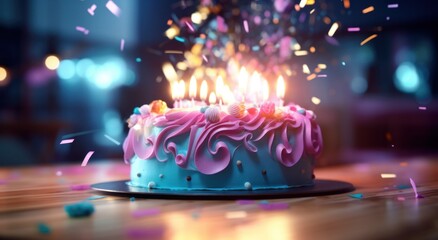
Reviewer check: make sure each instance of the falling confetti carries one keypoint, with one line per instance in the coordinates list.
(353, 29)
(173, 52)
(87, 157)
(112, 139)
(333, 29)
(368, 10)
(67, 141)
(422, 108)
(368, 39)
(113, 8)
(245, 25)
(388, 175)
(82, 29)
(394, 5)
(122, 44)
(414, 186)
(316, 100)
(92, 9)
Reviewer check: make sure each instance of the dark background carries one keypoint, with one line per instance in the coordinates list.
(369, 101)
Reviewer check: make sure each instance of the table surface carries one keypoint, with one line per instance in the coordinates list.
(32, 196)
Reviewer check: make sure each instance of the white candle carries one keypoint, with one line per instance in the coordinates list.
(204, 91)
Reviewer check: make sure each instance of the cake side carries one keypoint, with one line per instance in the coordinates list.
(216, 150)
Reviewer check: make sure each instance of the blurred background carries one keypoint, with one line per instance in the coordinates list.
(62, 71)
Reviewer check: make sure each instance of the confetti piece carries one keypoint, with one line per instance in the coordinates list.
(306, 69)
(43, 228)
(300, 53)
(346, 3)
(274, 206)
(368, 10)
(331, 40)
(145, 212)
(333, 29)
(113, 8)
(393, 5)
(132, 199)
(388, 175)
(82, 29)
(316, 100)
(322, 75)
(401, 198)
(87, 157)
(122, 44)
(236, 215)
(245, 25)
(356, 195)
(368, 39)
(112, 140)
(302, 3)
(353, 29)
(92, 9)
(80, 209)
(180, 39)
(173, 52)
(311, 77)
(95, 197)
(205, 58)
(245, 202)
(80, 187)
(422, 108)
(78, 134)
(190, 27)
(414, 186)
(67, 141)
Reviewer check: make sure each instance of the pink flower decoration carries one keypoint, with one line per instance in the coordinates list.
(267, 109)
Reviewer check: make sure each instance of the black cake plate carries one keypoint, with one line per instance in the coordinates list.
(321, 187)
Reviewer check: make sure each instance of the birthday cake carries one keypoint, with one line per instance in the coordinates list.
(232, 147)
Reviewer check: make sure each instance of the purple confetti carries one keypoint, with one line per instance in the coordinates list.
(190, 26)
(414, 186)
(87, 157)
(80, 187)
(82, 29)
(274, 206)
(422, 108)
(353, 29)
(91, 9)
(205, 58)
(322, 75)
(113, 8)
(122, 46)
(67, 141)
(245, 25)
(145, 212)
(394, 5)
(331, 40)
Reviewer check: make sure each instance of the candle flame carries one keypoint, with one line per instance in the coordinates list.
(192, 87)
(212, 98)
(181, 89)
(219, 86)
(243, 80)
(281, 88)
(174, 90)
(204, 90)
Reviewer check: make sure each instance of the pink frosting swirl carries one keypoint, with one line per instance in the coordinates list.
(209, 143)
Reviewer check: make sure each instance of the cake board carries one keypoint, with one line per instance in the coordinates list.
(322, 187)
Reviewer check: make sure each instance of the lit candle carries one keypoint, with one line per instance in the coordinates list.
(182, 91)
(212, 98)
(204, 91)
(243, 82)
(280, 89)
(219, 89)
(255, 87)
(192, 89)
(175, 95)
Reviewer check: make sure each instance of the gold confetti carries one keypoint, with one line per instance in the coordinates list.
(333, 29)
(368, 10)
(388, 175)
(368, 39)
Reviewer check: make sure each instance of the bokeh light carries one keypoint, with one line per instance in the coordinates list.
(3, 74)
(83, 67)
(66, 69)
(407, 78)
(52, 62)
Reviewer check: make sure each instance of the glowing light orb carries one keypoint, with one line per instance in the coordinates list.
(3, 74)
(406, 78)
(52, 62)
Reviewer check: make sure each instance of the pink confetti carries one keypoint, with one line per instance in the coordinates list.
(322, 75)
(146, 212)
(245, 25)
(80, 187)
(113, 8)
(190, 26)
(122, 44)
(394, 5)
(91, 9)
(353, 29)
(82, 29)
(414, 186)
(67, 141)
(87, 157)
(422, 108)
(205, 58)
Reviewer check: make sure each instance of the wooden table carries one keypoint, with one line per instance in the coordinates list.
(388, 210)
